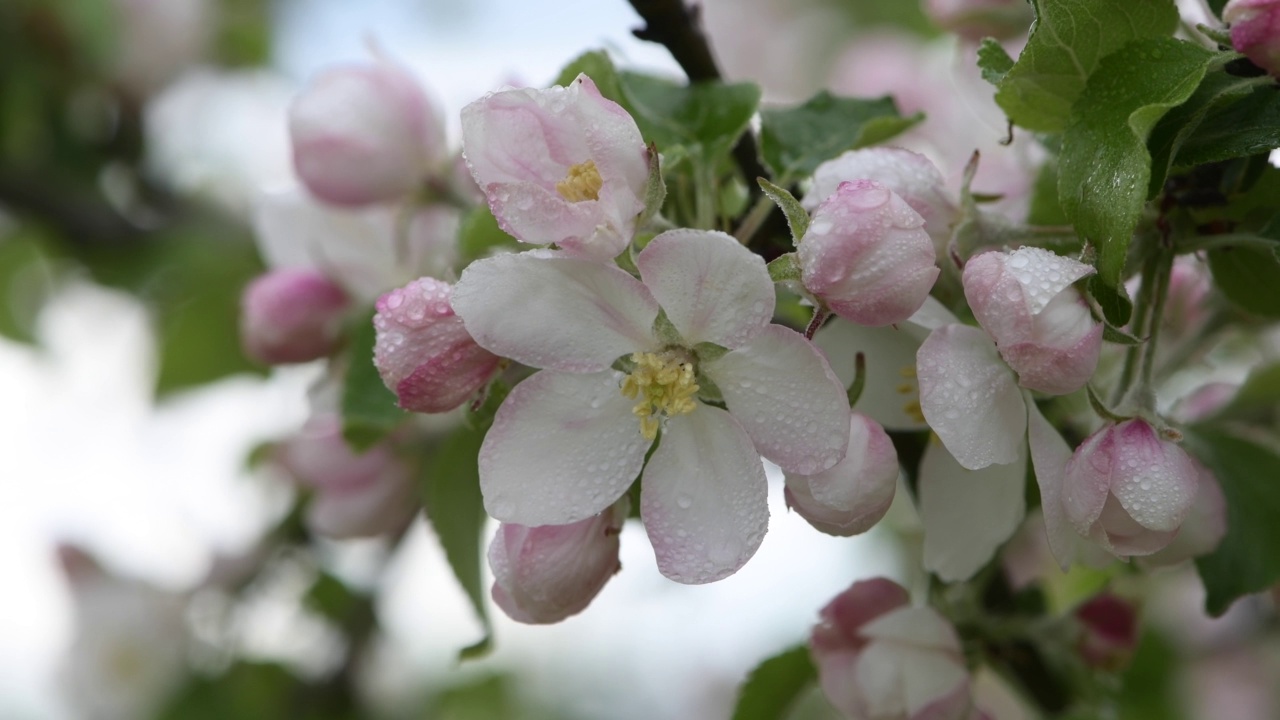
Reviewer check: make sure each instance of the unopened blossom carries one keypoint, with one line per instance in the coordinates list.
(1128, 489)
(866, 256)
(354, 494)
(853, 495)
(291, 315)
(364, 133)
(878, 658)
(424, 353)
(545, 574)
(1255, 31)
(562, 165)
(910, 175)
(1108, 631)
(570, 440)
(157, 40)
(976, 19)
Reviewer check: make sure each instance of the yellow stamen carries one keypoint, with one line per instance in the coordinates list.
(907, 371)
(583, 182)
(913, 411)
(665, 387)
(912, 408)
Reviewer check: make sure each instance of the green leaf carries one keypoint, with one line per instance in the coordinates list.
(710, 114)
(27, 279)
(1216, 6)
(1236, 129)
(1259, 395)
(1246, 561)
(1114, 301)
(1249, 276)
(597, 65)
(797, 216)
(369, 410)
(775, 684)
(1150, 688)
(1105, 167)
(1045, 208)
(994, 62)
(479, 235)
(1117, 336)
(794, 141)
(450, 491)
(1068, 41)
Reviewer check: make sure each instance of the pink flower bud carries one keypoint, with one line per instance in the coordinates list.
(1109, 631)
(355, 495)
(879, 658)
(866, 255)
(424, 353)
(364, 134)
(1041, 326)
(976, 19)
(1255, 31)
(1204, 527)
(291, 316)
(545, 574)
(562, 165)
(910, 175)
(853, 495)
(1129, 490)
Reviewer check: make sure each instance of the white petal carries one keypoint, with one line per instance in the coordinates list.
(970, 397)
(780, 388)
(1050, 455)
(919, 626)
(559, 313)
(561, 449)
(890, 396)
(703, 497)
(713, 289)
(967, 514)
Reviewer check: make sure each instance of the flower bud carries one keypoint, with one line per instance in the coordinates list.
(867, 256)
(850, 497)
(1255, 31)
(424, 353)
(158, 40)
(1129, 490)
(1109, 631)
(562, 165)
(879, 658)
(1204, 527)
(364, 134)
(356, 495)
(545, 574)
(976, 19)
(291, 316)
(1041, 326)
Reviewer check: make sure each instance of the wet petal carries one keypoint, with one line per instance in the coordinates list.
(780, 388)
(560, 313)
(713, 289)
(561, 449)
(703, 497)
(1050, 455)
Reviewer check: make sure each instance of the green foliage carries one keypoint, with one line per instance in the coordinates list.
(795, 140)
(1045, 208)
(597, 65)
(369, 410)
(1236, 129)
(487, 698)
(797, 216)
(1249, 472)
(1149, 689)
(27, 277)
(1258, 399)
(1105, 166)
(331, 598)
(257, 691)
(710, 115)
(1249, 276)
(479, 235)
(1068, 41)
(243, 33)
(1114, 301)
(1187, 124)
(775, 684)
(993, 61)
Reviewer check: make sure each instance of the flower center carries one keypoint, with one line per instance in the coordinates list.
(911, 391)
(664, 385)
(583, 182)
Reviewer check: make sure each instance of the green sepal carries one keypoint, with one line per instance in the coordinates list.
(665, 330)
(797, 216)
(784, 268)
(859, 379)
(370, 411)
(655, 189)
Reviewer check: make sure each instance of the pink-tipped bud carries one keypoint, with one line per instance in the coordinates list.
(867, 256)
(291, 316)
(355, 495)
(1204, 527)
(364, 134)
(424, 353)
(1128, 489)
(1109, 631)
(976, 19)
(877, 657)
(853, 495)
(545, 574)
(1041, 325)
(1255, 31)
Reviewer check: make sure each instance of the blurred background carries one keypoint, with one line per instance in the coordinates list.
(135, 139)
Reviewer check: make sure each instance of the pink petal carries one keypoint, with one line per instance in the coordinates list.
(852, 496)
(918, 626)
(559, 313)
(562, 448)
(533, 214)
(712, 288)
(1154, 479)
(970, 397)
(1203, 529)
(780, 388)
(703, 497)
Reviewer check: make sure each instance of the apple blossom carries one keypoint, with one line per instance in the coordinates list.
(1255, 31)
(364, 134)
(1109, 630)
(865, 255)
(1128, 489)
(856, 492)
(562, 165)
(569, 440)
(423, 351)
(291, 315)
(880, 659)
(545, 574)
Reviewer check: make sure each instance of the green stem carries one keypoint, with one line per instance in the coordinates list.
(1163, 274)
(704, 195)
(1133, 354)
(756, 216)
